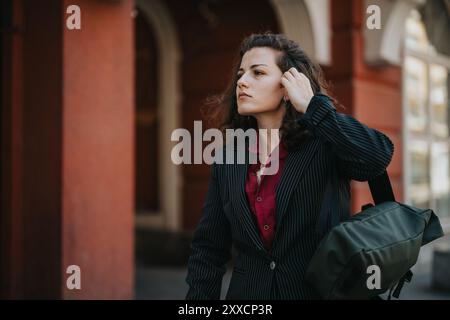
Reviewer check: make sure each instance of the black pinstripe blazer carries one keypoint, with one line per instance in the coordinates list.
(341, 147)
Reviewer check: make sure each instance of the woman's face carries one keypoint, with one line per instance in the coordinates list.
(259, 78)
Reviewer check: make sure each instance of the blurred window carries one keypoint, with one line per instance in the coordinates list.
(426, 114)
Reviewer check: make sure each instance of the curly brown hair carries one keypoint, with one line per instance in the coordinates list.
(222, 110)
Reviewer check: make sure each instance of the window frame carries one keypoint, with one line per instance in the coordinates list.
(429, 57)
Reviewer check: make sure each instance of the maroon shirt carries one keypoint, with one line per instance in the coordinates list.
(262, 199)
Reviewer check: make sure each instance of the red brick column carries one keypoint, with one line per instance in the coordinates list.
(97, 155)
(11, 271)
(370, 94)
(77, 152)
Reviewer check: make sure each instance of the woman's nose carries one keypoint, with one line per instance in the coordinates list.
(242, 83)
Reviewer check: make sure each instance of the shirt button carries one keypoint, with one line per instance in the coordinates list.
(259, 199)
(266, 227)
(272, 265)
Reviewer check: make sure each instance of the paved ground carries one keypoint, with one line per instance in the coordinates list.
(168, 283)
(164, 283)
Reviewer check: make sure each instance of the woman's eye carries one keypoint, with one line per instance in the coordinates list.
(256, 72)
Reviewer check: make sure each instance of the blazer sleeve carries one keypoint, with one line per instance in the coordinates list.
(361, 153)
(210, 247)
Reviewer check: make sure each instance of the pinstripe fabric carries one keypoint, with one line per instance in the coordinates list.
(339, 143)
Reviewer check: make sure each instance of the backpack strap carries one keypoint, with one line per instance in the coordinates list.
(381, 189)
(406, 278)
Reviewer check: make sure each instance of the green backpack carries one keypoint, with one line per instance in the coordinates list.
(385, 238)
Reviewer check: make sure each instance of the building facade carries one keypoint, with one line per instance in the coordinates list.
(87, 116)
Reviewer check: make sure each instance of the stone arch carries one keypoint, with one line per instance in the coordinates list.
(169, 92)
(308, 23)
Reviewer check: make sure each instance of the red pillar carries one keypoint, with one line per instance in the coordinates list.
(370, 94)
(11, 263)
(98, 142)
(77, 151)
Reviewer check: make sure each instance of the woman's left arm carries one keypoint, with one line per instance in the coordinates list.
(361, 152)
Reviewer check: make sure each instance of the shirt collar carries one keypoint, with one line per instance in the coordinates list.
(254, 148)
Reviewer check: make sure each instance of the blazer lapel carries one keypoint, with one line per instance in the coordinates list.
(296, 163)
(238, 178)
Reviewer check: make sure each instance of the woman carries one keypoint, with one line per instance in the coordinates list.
(275, 222)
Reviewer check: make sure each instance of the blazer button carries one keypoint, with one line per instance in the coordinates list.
(272, 265)
(266, 227)
(259, 199)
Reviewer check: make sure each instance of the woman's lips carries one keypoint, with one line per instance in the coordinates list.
(244, 96)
